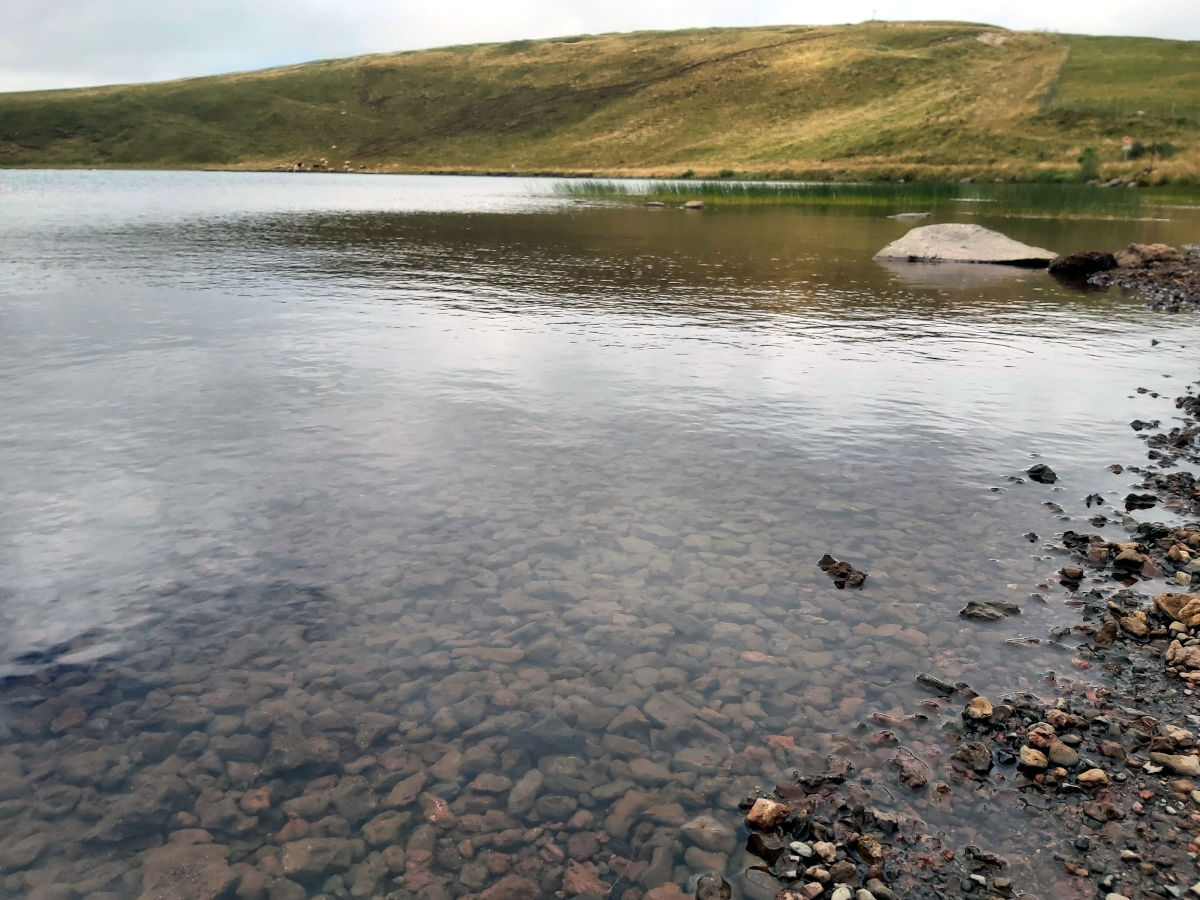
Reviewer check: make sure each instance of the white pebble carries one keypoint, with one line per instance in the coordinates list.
(801, 849)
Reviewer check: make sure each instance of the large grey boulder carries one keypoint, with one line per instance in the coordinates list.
(964, 243)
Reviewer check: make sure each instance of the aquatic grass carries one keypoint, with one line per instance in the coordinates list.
(1053, 200)
(749, 192)
(1049, 200)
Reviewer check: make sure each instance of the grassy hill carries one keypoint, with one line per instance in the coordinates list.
(876, 100)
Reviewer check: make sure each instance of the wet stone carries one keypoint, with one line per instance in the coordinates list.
(766, 814)
(490, 783)
(978, 708)
(1042, 473)
(555, 807)
(649, 772)
(437, 812)
(844, 575)
(186, 872)
(669, 711)
(621, 818)
(711, 886)
(1062, 755)
(988, 611)
(582, 845)
(511, 887)
(313, 857)
(1030, 758)
(549, 735)
(385, 828)
(522, 795)
(292, 750)
(583, 878)
(22, 853)
(712, 834)
(1178, 763)
(406, 791)
(975, 756)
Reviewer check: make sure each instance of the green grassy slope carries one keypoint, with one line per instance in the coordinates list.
(872, 100)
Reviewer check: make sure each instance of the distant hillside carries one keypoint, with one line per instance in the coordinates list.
(880, 99)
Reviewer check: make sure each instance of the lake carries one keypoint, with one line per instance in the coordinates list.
(394, 536)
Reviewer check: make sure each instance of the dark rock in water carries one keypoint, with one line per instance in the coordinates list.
(843, 574)
(550, 735)
(984, 857)
(937, 684)
(185, 872)
(843, 872)
(914, 774)
(975, 756)
(766, 846)
(980, 612)
(309, 859)
(1140, 501)
(1042, 474)
(1071, 574)
(1078, 266)
(1139, 425)
(1130, 560)
(989, 611)
(713, 887)
(710, 833)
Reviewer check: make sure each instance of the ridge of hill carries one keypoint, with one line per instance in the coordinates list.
(874, 100)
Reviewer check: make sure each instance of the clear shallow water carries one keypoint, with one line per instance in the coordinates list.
(283, 454)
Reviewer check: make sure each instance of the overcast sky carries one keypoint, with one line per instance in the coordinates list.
(71, 43)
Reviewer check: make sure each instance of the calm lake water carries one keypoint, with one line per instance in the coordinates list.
(328, 500)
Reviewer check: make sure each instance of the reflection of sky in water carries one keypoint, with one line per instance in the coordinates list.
(198, 393)
(360, 419)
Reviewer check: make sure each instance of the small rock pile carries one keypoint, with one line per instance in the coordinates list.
(1170, 280)
(843, 574)
(1159, 551)
(818, 844)
(1123, 777)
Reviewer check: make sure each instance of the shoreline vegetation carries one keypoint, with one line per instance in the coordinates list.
(874, 102)
(1033, 200)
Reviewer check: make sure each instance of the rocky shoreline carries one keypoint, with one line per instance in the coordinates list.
(1168, 279)
(504, 730)
(1108, 764)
